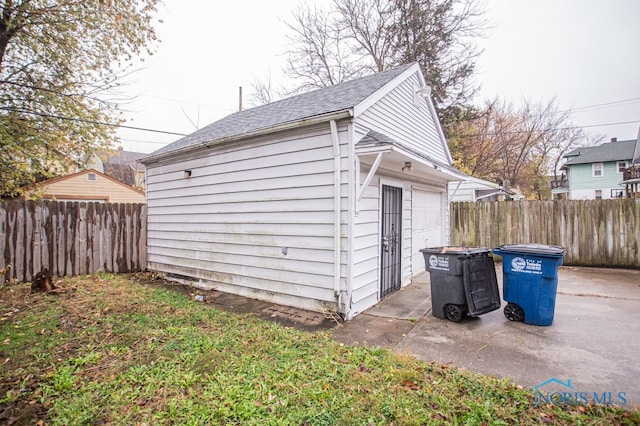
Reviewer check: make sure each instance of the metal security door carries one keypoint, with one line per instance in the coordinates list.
(391, 253)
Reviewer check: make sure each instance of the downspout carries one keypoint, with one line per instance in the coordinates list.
(336, 211)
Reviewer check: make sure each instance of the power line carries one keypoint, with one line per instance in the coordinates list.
(514, 132)
(606, 104)
(143, 141)
(603, 125)
(588, 107)
(187, 102)
(144, 129)
(82, 120)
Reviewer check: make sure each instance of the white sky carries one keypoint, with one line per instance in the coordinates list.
(585, 53)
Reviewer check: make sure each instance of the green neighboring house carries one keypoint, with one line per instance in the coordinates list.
(596, 172)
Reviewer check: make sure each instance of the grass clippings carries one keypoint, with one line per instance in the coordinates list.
(109, 349)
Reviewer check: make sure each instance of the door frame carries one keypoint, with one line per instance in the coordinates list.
(398, 185)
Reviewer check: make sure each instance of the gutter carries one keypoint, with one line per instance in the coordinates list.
(336, 115)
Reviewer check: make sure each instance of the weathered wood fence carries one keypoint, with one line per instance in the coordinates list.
(70, 238)
(594, 233)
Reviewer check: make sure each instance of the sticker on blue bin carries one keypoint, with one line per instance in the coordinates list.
(439, 262)
(527, 266)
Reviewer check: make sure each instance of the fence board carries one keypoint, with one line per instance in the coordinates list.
(594, 232)
(70, 238)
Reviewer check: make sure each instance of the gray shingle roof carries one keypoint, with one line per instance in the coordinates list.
(336, 98)
(610, 151)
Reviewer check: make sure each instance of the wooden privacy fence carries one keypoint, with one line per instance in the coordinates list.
(594, 233)
(70, 238)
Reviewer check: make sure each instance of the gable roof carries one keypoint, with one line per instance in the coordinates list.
(610, 151)
(123, 165)
(129, 158)
(333, 99)
(48, 182)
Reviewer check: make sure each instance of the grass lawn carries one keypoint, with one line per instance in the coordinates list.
(111, 349)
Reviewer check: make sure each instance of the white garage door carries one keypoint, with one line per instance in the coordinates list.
(428, 225)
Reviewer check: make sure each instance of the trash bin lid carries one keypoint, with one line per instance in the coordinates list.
(532, 248)
(455, 250)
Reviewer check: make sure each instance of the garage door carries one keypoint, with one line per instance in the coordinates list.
(428, 225)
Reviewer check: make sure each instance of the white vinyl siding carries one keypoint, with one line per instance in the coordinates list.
(366, 250)
(396, 116)
(366, 246)
(229, 225)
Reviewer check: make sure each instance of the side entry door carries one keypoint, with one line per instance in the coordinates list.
(391, 243)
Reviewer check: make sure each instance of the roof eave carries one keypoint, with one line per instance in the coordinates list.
(446, 173)
(309, 121)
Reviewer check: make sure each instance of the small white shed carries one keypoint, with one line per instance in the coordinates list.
(319, 201)
(474, 189)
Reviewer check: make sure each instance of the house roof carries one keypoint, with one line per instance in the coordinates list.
(51, 181)
(122, 172)
(610, 151)
(332, 99)
(129, 158)
(84, 172)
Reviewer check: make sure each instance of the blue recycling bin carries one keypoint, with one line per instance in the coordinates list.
(530, 281)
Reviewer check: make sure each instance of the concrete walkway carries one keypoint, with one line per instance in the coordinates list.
(594, 340)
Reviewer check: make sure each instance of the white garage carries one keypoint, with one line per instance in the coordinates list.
(429, 218)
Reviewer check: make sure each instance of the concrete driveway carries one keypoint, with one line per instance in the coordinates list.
(593, 345)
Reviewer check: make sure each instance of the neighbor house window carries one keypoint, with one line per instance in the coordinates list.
(598, 194)
(91, 176)
(597, 169)
(621, 166)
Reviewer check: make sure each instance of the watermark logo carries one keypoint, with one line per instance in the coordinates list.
(555, 391)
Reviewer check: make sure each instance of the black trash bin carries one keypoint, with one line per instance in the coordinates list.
(463, 281)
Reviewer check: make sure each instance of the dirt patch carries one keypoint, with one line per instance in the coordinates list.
(284, 315)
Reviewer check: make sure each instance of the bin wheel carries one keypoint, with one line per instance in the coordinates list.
(453, 313)
(513, 312)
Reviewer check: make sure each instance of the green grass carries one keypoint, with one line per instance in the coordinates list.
(111, 349)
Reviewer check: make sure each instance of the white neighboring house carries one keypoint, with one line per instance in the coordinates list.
(474, 189)
(319, 201)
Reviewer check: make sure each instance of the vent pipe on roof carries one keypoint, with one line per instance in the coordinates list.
(614, 139)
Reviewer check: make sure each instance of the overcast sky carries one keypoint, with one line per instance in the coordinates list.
(585, 53)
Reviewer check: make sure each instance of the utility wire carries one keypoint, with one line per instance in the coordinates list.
(144, 129)
(230, 110)
(514, 132)
(632, 100)
(82, 120)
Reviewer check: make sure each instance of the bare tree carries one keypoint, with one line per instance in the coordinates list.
(367, 23)
(518, 147)
(322, 52)
(261, 91)
(359, 37)
(440, 35)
